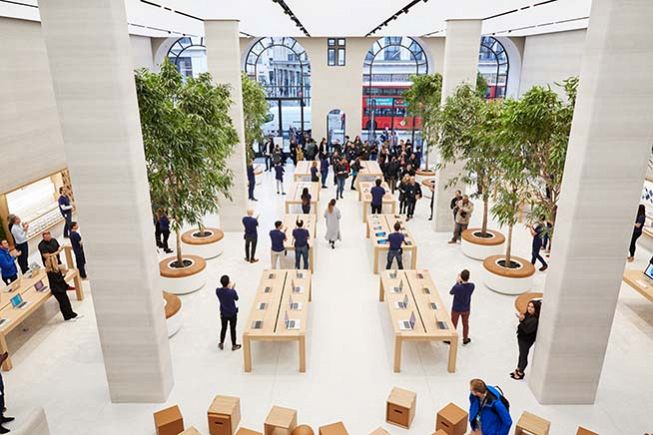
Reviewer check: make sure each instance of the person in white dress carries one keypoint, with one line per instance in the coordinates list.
(332, 216)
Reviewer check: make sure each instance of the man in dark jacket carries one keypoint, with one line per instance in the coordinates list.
(251, 181)
(228, 311)
(462, 301)
(487, 413)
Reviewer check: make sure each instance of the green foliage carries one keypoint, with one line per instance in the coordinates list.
(255, 110)
(188, 136)
(481, 85)
(424, 91)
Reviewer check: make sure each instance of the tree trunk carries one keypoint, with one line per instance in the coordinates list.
(180, 262)
(508, 246)
(201, 228)
(486, 201)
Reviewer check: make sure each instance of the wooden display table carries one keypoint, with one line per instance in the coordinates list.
(432, 321)
(379, 226)
(370, 171)
(267, 318)
(531, 424)
(303, 171)
(24, 286)
(294, 196)
(310, 223)
(389, 204)
(640, 282)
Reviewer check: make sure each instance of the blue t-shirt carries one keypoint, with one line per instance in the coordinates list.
(277, 237)
(301, 237)
(64, 201)
(395, 240)
(76, 241)
(462, 296)
(250, 225)
(377, 195)
(228, 298)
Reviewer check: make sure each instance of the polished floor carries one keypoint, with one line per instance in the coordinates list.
(58, 366)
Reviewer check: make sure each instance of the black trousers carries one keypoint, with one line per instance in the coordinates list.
(250, 247)
(166, 236)
(535, 255)
(633, 243)
(157, 235)
(250, 189)
(80, 260)
(64, 305)
(68, 220)
(376, 209)
(9, 279)
(410, 207)
(524, 349)
(306, 209)
(22, 258)
(232, 328)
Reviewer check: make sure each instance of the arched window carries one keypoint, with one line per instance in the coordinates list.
(493, 65)
(387, 69)
(188, 54)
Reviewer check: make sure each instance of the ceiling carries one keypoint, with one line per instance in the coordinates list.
(341, 17)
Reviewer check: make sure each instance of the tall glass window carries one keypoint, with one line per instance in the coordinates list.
(493, 64)
(188, 54)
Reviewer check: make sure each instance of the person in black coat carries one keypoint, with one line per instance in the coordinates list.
(3, 418)
(526, 334)
(59, 288)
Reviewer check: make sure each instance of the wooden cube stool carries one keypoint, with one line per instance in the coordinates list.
(334, 429)
(531, 424)
(280, 421)
(440, 432)
(169, 421)
(224, 415)
(400, 408)
(243, 431)
(191, 431)
(583, 431)
(451, 420)
(380, 431)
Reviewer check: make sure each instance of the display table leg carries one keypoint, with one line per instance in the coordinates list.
(376, 260)
(7, 365)
(79, 290)
(397, 365)
(453, 352)
(247, 353)
(311, 258)
(302, 353)
(413, 259)
(381, 292)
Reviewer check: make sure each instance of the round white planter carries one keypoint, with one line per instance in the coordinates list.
(206, 247)
(508, 281)
(480, 248)
(184, 280)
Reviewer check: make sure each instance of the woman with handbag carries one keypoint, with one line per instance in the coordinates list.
(59, 288)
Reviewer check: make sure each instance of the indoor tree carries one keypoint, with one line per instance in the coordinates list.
(423, 101)
(188, 136)
(469, 129)
(255, 111)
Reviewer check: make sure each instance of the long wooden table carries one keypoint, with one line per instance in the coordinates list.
(303, 171)
(379, 227)
(432, 320)
(389, 204)
(294, 196)
(272, 305)
(370, 171)
(24, 286)
(310, 223)
(638, 281)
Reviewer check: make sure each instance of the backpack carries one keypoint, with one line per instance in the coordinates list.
(503, 399)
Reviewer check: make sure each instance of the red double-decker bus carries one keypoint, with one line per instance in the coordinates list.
(384, 107)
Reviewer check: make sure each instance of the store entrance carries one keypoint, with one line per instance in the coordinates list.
(288, 117)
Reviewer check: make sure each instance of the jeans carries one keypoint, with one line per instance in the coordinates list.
(376, 209)
(633, 242)
(68, 220)
(268, 163)
(250, 247)
(279, 185)
(524, 349)
(395, 254)
(299, 253)
(458, 230)
(306, 209)
(341, 187)
(535, 255)
(232, 328)
(324, 177)
(465, 316)
(22, 258)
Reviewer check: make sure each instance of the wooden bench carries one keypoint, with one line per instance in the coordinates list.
(272, 306)
(389, 204)
(310, 223)
(25, 287)
(370, 171)
(432, 320)
(294, 196)
(383, 225)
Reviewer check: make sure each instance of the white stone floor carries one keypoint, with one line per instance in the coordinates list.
(349, 353)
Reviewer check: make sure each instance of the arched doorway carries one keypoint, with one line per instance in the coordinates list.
(281, 66)
(494, 66)
(336, 126)
(188, 54)
(387, 69)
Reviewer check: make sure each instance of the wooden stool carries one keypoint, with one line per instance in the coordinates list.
(334, 429)
(169, 421)
(531, 424)
(439, 432)
(191, 431)
(380, 431)
(280, 421)
(243, 431)
(583, 431)
(451, 420)
(400, 408)
(224, 415)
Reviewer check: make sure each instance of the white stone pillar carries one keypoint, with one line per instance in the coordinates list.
(606, 162)
(90, 62)
(222, 40)
(461, 49)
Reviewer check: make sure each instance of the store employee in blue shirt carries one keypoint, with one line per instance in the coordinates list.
(395, 251)
(66, 211)
(377, 193)
(228, 311)
(301, 235)
(251, 236)
(278, 238)
(8, 263)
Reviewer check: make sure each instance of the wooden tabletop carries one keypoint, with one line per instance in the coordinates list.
(640, 282)
(295, 194)
(303, 169)
(383, 225)
(370, 168)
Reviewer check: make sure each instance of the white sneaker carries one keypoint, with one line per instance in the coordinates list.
(79, 316)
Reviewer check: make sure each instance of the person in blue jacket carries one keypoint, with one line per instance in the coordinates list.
(8, 263)
(487, 412)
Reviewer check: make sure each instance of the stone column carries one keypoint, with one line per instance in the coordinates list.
(222, 41)
(461, 49)
(91, 66)
(608, 152)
